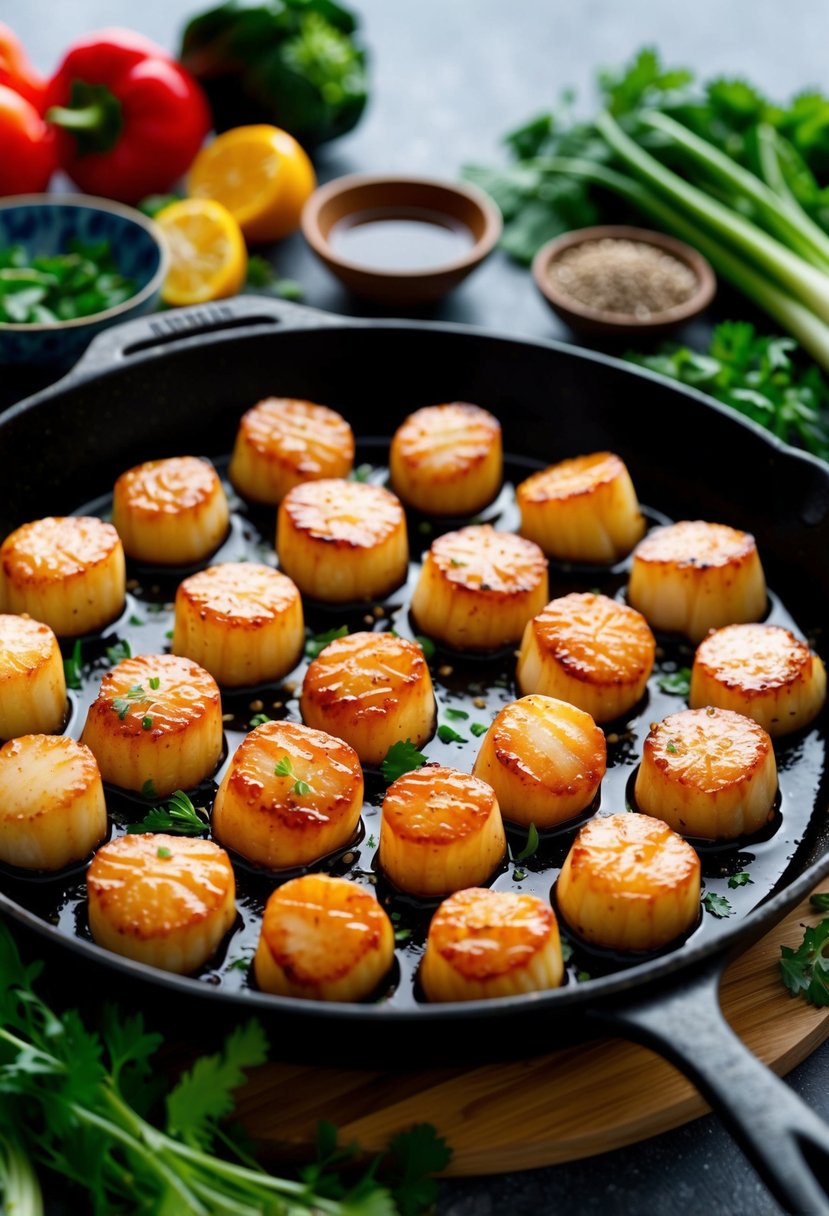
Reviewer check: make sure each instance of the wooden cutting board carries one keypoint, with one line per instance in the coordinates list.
(541, 1111)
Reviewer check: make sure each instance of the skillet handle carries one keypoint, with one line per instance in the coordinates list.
(786, 1142)
(158, 332)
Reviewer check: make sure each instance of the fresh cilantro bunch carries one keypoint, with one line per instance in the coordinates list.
(80, 1103)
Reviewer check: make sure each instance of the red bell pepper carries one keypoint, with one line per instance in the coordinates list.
(27, 146)
(16, 72)
(129, 120)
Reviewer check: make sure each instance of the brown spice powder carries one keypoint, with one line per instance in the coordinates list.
(615, 274)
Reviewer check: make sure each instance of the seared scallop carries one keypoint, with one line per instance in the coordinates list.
(282, 442)
(156, 718)
(32, 682)
(241, 621)
(544, 758)
(441, 831)
(582, 510)
(371, 689)
(589, 650)
(694, 576)
(629, 883)
(323, 939)
(485, 944)
(708, 772)
(762, 671)
(447, 459)
(170, 512)
(290, 796)
(52, 809)
(478, 588)
(67, 571)
(342, 540)
(163, 900)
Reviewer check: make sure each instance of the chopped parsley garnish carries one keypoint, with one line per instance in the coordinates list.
(121, 705)
(820, 900)
(148, 790)
(371, 843)
(805, 971)
(401, 936)
(581, 976)
(154, 682)
(284, 767)
(717, 905)
(135, 620)
(402, 757)
(566, 950)
(319, 641)
(677, 683)
(740, 880)
(146, 722)
(178, 816)
(456, 714)
(163, 851)
(362, 472)
(671, 747)
(121, 650)
(240, 964)
(301, 788)
(448, 734)
(519, 874)
(72, 667)
(426, 645)
(454, 561)
(258, 720)
(530, 847)
(478, 729)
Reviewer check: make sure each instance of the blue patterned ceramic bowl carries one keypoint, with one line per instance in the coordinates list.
(45, 223)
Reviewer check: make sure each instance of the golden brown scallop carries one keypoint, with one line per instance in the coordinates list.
(544, 758)
(241, 621)
(485, 944)
(441, 831)
(478, 588)
(629, 883)
(170, 512)
(67, 571)
(582, 510)
(589, 650)
(32, 681)
(290, 796)
(371, 689)
(762, 671)
(163, 900)
(282, 442)
(157, 718)
(342, 540)
(447, 459)
(323, 939)
(708, 772)
(694, 576)
(52, 809)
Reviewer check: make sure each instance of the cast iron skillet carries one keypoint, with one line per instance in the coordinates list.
(178, 383)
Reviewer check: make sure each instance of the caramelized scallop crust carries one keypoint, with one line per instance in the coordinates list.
(708, 772)
(485, 944)
(163, 900)
(52, 809)
(290, 796)
(582, 510)
(478, 588)
(589, 650)
(694, 576)
(158, 718)
(282, 442)
(629, 883)
(371, 689)
(342, 540)
(32, 681)
(323, 939)
(67, 571)
(441, 831)
(241, 621)
(762, 671)
(544, 758)
(170, 512)
(447, 459)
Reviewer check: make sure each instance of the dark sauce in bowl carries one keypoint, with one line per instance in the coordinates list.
(400, 238)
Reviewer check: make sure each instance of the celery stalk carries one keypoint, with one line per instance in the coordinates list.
(20, 1193)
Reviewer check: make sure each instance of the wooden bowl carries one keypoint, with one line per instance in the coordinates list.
(450, 205)
(602, 323)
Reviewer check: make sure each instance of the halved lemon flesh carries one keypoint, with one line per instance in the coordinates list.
(208, 259)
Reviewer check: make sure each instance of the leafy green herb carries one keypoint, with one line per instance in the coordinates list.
(456, 714)
(402, 757)
(319, 641)
(677, 683)
(672, 748)
(566, 950)
(121, 650)
(284, 767)
(154, 682)
(177, 816)
(163, 851)
(519, 874)
(530, 847)
(478, 729)
(72, 667)
(242, 963)
(583, 976)
(301, 788)
(135, 620)
(805, 970)
(60, 287)
(740, 880)
(362, 472)
(122, 705)
(262, 277)
(415, 1155)
(146, 722)
(258, 720)
(155, 203)
(148, 790)
(401, 936)
(447, 734)
(426, 645)
(371, 843)
(820, 900)
(454, 561)
(717, 905)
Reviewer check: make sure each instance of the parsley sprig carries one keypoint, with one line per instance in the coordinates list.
(319, 641)
(402, 757)
(284, 768)
(178, 816)
(805, 970)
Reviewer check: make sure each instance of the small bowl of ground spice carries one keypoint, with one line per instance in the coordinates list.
(617, 280)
